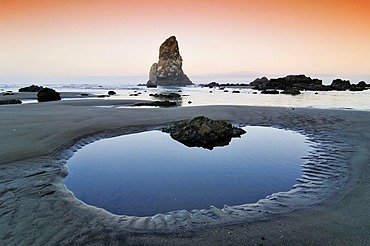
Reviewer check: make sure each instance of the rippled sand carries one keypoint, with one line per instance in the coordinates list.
(329, 203)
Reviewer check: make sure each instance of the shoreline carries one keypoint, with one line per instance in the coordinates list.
(37, 183)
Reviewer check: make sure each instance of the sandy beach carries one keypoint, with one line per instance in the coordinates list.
(329, 205)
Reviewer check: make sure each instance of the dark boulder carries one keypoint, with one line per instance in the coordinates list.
(111, 93)
(150, 85)
(362, 84)
(259, 83)
(213, 84)
(11, 101)
(47, 94)
(32, 88)
(203, 132)
(341, 85)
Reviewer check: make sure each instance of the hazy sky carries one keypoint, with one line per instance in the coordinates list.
(56, 40)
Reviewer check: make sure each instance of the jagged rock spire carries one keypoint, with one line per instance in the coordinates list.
(168, 70)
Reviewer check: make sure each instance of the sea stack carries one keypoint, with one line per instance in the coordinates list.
(168, 70)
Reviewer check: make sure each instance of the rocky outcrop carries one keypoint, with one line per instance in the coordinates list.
(203, 132)
(168, 70)
(340, 85)
(32, 88)
(47, 94)
(296, 82)
(359, 87)
(362, 84)
(260, 83)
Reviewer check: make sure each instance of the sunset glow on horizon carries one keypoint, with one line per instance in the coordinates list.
(74, 38)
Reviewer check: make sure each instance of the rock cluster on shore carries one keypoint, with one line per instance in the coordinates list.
(292, 84)
(168, 70)
(203, 132)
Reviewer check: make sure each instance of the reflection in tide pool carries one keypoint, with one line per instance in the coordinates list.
(149, 173)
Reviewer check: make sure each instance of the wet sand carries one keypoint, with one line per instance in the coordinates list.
(329, 205)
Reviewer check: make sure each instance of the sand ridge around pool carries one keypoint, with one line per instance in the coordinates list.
(37, 209)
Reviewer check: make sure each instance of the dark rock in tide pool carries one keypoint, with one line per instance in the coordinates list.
(165, 104)
(203, 132)
(47, 94)
(111, 93)
(11, 101)
(31, 88)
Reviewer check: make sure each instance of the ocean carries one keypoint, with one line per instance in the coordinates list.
(200, 96)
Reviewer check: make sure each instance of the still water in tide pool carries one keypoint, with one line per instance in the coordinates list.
(148, 173)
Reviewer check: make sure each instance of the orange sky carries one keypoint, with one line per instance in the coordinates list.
(71, 38)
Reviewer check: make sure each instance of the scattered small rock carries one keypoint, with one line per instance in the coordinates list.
(165, 104)
(11, 101)
(172, 96)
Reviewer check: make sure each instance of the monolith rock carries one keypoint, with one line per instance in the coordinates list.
(168, 70)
